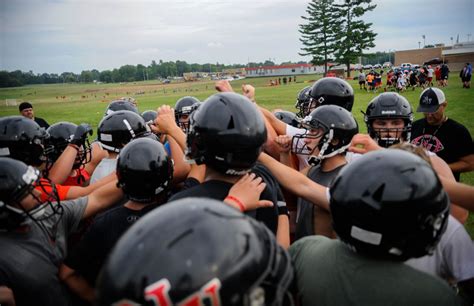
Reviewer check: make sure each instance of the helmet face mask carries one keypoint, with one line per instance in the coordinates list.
(60, 136)
(333, 125)
(19, 202)
(303, 104)
(183, 109)
(22, 139)
(383, 119)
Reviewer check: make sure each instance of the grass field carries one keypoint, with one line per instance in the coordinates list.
(86, 102)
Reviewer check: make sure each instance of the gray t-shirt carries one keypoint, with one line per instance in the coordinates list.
(306, 210)
(30, 260)
(329, 273)
(104, 168)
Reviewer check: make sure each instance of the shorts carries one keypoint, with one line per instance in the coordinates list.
(361, 82)
(444, 77)
(466, 78)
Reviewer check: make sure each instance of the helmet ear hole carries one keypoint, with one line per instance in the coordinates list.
(231, 125)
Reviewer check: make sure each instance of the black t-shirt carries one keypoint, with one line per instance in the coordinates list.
(218, 190)
(41, 122)
(450, 140)
(89, 255)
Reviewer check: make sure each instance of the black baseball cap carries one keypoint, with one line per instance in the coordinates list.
(430, 100)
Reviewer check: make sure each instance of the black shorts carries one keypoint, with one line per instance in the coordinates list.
(361, 82)
(466, 78)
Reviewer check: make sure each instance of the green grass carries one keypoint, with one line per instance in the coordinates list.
(87, 102)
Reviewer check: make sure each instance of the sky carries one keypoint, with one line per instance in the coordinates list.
(55, 36)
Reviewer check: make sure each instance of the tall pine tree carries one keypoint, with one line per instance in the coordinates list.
(356, 35)
(320, 32)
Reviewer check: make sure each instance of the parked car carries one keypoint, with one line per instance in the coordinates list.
(368, 67)
(434, 61)
(377, 66)
(358, 67)
(387, 65)
(166, 81)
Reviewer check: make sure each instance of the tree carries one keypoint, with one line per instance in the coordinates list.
(356, 35)
(319, 34)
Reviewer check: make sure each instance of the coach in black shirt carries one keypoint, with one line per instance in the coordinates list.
(26, 110)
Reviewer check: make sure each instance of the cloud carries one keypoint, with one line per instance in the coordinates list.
(72, 35)
(214, 44)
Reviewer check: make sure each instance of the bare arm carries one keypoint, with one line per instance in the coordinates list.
(443, 170)
(296, 182)
(464, 164)
(102, 198)
(459, 193)
(62, 167)
(181, 168)
(76, 283)
(6, 296)
(77, 192)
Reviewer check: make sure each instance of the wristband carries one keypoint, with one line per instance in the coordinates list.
(283, 210)
(236, 201)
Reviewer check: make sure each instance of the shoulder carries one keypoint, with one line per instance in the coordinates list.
(310, 246)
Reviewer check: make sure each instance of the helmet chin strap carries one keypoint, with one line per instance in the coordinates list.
(316, 160)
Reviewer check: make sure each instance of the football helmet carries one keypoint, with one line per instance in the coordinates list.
(227, 133)
(389, 204)
(144, 170)
(118, 128)
(302, 102)
(326, 123)
(149, 116)
(389, 105)
(22, 139)
(118, 105)
(184, 107)
(60, 135)
(196, 251)
(17, 181)
(331, 91)
(288, 117)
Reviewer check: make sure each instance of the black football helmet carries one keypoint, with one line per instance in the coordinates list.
(199, 251)
(17, 181)
(332, 123)
(119, 105)
(227, 133)
(302, 102)
(389, 105)
(390, 204)
(331, 91)
(22, 139)
(184, 107)
(144, 170)
(60, 135)
(288, 117)
(118, 128)
(149, 115)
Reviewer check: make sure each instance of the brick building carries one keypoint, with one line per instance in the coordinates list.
(455, 56)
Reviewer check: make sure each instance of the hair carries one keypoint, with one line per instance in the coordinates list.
(24, 105)
(419, 151)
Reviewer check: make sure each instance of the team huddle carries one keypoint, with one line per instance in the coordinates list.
(224, 202)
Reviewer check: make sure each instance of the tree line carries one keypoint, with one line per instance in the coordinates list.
(126, 73)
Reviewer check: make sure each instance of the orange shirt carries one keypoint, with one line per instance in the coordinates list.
(370, 78)
(76, 180)
(46, 188)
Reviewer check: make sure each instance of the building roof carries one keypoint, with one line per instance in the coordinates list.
(280, 67)
(457, 51)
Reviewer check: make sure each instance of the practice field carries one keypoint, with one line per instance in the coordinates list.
(86, 102)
